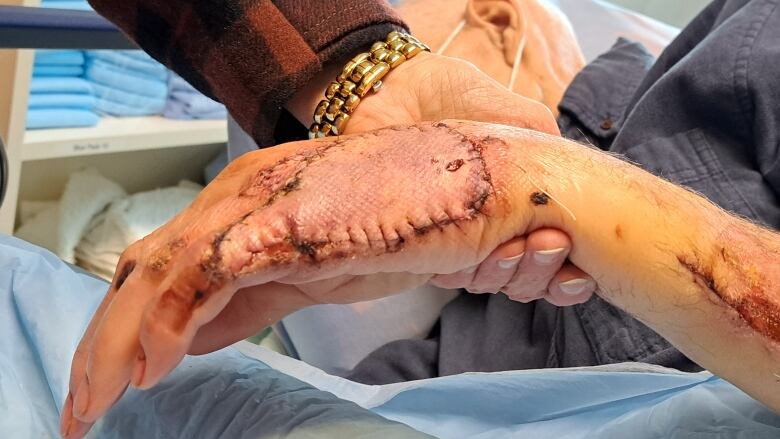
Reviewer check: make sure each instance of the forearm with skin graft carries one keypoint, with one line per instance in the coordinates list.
(360, 217)
(707, 281)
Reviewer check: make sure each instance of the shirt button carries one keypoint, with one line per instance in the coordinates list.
(607, 124)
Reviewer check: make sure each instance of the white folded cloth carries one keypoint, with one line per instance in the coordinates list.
(95, 220)
(127, 220)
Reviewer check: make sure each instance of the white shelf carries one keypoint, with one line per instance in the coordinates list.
(121, 134)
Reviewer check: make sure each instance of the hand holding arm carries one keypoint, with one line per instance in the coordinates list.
(430, 88)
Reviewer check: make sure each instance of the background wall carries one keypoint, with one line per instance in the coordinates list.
(675, 12)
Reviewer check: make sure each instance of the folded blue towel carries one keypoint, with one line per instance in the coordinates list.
(112, 108)
(54, 70)
(179, 110)
(60, 118)
(177, 83)
(193, 106)
(59, 57)
(134, 60)
(81, 5)
(116, 102)
(185, 102)
(60, 85)
(61, 100)
(197, 102)
(125, 98)
(106, 74)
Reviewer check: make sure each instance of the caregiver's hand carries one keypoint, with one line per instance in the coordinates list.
(432, 87)
(527, 269)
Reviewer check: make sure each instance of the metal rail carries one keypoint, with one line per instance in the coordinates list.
(46, 28)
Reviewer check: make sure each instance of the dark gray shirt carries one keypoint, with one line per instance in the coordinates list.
(706, 115)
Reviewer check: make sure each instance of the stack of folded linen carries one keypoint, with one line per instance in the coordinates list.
(95, 219)
(127, 82)
(59, 97)
(185, 102)
(67, 63)
(67, 4)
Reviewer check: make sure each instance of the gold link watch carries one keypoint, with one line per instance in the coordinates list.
(360, 75)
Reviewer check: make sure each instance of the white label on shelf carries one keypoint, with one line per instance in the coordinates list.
(91, 147)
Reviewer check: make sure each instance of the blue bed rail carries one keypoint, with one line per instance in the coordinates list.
(46, 28)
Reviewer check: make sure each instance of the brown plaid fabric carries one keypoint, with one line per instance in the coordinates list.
(251, 55)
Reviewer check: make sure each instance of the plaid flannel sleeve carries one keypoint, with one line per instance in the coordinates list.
(251, 55)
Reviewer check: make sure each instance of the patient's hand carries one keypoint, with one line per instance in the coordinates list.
(360, 217)
(331, 221)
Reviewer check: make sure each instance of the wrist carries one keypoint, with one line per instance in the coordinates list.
(303, 103)
(622, 220)
(333, 96)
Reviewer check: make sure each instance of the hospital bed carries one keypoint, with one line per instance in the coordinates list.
(248, 392)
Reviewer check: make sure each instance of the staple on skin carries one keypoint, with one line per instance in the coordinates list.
(124, 273)
(454, 165)
(539, 198)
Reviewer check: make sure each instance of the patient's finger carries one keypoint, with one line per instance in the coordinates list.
(489, 276)
(70, 427)
(570, 287)
(125, 267)
(459, 279)
(546, 251)
(78, 371)
(499, 268)
(249, 311)
(114, 349)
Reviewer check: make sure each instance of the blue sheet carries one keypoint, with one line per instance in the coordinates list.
(245, 391)
(45, 307)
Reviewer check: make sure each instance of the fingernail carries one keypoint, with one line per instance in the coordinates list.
(510, 262)
(138, 371)
(470, 270)
(573, 287)
(547, 257)
(81, 401)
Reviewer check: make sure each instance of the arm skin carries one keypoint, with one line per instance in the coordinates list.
(705, 280)
(363, 216)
